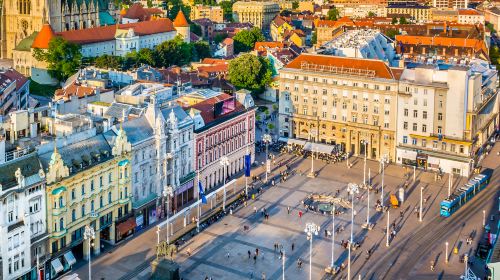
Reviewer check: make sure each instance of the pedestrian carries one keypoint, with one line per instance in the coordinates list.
(249, 254)
(256, 251)
(228, 255)
(281, 254)
(401, 213)
(288, 209)
(263, 276)
(293, 246)
(326, 233)
(254, 259)
(262, 211)
(255, 210)
(300, 214)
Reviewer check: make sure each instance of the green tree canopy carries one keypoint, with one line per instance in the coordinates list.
(250, 72)
(219, 37)
(372, 14)
(63, 58)
(394, 20)
(196, 29)
(173, 52)
(295, 4)
(177, 5)
(403, 20)
(227, 8)
(333, 14)
(314, 37)
(245, 40)
(391, 33)
(201, 50)
(109, 62)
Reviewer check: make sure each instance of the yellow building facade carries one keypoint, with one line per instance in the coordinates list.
(88, 184)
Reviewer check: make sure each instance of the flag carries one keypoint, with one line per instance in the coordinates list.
(201, 193)
(248, 159)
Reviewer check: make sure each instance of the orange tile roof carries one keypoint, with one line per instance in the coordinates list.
(214, 61)
(216, 68)
(107, 33)
(262, 46)
(348, 65)
(468, 12)
(73, 90)
(180, 20)
(43, 37)
(475, 44)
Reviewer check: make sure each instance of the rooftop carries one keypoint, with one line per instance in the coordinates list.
(341, 65)
(43, 37)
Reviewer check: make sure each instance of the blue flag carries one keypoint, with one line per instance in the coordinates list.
(202, 193)
(248, 160)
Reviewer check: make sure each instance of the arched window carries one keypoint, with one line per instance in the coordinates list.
(61, 224)
(61, 202)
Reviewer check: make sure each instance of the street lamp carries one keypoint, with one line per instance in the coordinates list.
(387, 229)
(364, 142)
(89, 234)
(158, 234)
(283, 260)
(368, 225)
(351, 189)
(224, 161)
(383, 160)
(333, 239)
(167, 192)
(484, 218)
(311, 229)
(267, 139)
(421, 203)
(446, 251)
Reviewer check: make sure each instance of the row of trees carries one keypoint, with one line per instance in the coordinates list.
(64, 58)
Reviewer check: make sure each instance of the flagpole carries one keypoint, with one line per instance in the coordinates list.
(246, 177)
(199, 214)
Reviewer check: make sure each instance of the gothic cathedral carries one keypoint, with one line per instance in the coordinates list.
(21, 18)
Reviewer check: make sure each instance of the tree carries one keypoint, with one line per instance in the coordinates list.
(394, 20)
(201, 50)
(63, 58)
(227, 8)
(109, 62)
(403, 20)
(245, 40)
(372, 14)
(391, 33)
(295, 5)
(219, 37)
(196, 29)
(149, 3)
(314, 37)
(333, 14)
(173, 52)
(270, 126)
(250, 72)
(146, 56)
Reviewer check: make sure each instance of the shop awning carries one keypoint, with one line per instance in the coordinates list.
(318, 148)
(411, 155)
(57, 265)
(283, 139)
(70, 259)
(300, 142)
(433, 160)
(126, 226)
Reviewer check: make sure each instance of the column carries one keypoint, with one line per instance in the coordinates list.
(348, 142)
(97, 244)
(112, 233)
(356, 144)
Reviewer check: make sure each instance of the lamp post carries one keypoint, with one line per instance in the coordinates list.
(283, 264)
(364, 164)
(88, 235)
(332, 265)
(383, 160)
(158, 235)
(224, 161)
(311, 229)
(466, 260)
(446, 252)
(421, 204)
(450, 183)
(368, 225)
(387, 229)
(267, 139)
(351, 189)
(167, 192)
(484, 218)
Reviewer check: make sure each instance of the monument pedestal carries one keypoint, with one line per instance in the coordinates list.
(163, 269)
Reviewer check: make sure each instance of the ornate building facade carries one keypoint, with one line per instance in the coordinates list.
(20, 18)
(348, 102)
(260, 14)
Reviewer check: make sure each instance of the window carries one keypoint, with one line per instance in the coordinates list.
(83, 189)
(344, 105)
(440, 104)
(440, 116)
(386, 112)
(461, 149)
(424, 115)
(406, 112)
(354, 106)
(354, 118)
(324, 102)
(440, 130)
(452, 147)
(324, 114)
(405, 125)
(387, 88)
(83, 210)
(414, 127)
(61, 224)
(73, 215)
(334, 104)
(386, 125)
(434, 144)
(91, 185)
(443, 146)
(415, 101)
(61, 202)
(375, 110)
(73, 196)
(424, 143)
(315, 100)
(387, 100)
(91, 206)
(405, 139)
(425, 102)
(424, 128)
(100, 181)
(365, 108)
(415, 113)
(414, 141)
(109, 197)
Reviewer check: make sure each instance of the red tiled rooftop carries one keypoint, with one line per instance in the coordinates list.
(380, 69)
(475, 44)
(14, 75)
(262, 46)
(107, 33)
(43, 37)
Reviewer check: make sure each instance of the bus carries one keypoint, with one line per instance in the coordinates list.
(465, 193)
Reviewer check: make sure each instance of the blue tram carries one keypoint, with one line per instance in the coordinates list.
(465, 193)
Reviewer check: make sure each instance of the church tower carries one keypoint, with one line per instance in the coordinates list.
(182, 27)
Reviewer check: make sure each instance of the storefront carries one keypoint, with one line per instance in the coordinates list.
(125, 228)
(185, 193)
(407, 157)
(60, 265)
(422, 161)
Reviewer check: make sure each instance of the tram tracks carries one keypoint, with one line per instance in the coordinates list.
(421, 241)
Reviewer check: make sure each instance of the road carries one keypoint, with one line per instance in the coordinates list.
(402, 257)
